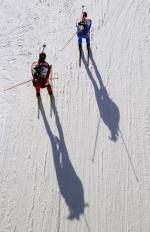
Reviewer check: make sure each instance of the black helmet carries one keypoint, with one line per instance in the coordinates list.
(42, 57)
(85, 14)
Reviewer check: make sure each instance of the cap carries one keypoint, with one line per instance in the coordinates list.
(84, 14)
(42, 55)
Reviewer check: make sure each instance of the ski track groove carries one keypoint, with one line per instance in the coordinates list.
(31, 220)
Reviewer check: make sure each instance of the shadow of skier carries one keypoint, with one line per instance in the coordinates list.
(69, 183)
(108, 109)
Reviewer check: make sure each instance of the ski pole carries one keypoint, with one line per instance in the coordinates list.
(22, 83)
(14, 86)
(68, 42)
(54, 78)
(44, 45)
(82, 8)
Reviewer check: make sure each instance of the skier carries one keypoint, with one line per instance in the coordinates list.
(83, 30)
(40, 71)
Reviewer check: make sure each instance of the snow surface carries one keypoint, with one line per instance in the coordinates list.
(86, 168)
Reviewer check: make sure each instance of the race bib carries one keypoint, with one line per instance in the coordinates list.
(43, 71)
(81, 27)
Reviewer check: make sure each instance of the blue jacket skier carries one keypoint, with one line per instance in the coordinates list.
(83, 30)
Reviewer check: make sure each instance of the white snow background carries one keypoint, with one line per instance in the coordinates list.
(86, 168)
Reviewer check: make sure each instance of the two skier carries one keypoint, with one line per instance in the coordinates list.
(83, 30)
(41, 71)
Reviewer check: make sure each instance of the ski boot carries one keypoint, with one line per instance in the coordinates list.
(38, 94)
(50, 93)
(88, 48)
(80, 54)
(80, 48)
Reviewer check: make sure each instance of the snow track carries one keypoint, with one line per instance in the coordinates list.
(86, 168)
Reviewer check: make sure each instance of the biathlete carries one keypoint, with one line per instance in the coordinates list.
(41, 72)
(83, 30)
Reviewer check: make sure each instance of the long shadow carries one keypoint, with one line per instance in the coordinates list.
(69, 183)
(108, 109)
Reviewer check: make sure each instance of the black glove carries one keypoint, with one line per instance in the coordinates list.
(81, 23)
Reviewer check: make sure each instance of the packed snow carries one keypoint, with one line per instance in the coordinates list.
(86, 167)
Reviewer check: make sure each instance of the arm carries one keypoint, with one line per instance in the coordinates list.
(49, 71)
(34, 73)
(89, 25)
(34, 69)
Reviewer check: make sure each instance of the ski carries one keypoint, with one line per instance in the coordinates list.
(80, 57)
(39, 101)
(51, 101)
(88, 56)
(38, 104)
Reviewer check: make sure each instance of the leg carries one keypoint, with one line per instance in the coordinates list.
(80, 43)
(88, 48)
(88, 42)
(37, 87)
(49, 89)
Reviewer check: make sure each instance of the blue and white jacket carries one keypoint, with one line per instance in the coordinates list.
(83, 27)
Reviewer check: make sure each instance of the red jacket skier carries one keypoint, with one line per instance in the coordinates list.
(41, 71)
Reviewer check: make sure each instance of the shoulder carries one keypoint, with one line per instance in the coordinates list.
(78, 20)
(88, 21)
(46, 64)
(34, 64)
